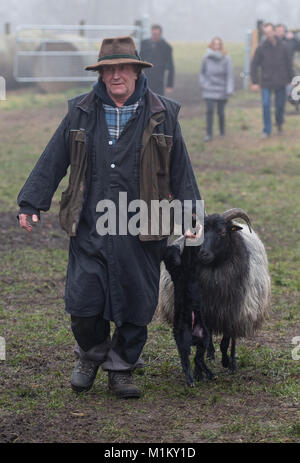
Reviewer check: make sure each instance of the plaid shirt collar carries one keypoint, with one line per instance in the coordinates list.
(117, 118)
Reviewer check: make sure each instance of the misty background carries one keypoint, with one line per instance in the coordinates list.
(189, 20)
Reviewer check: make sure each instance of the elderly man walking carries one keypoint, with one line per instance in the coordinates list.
(119, 138)
(272, 58)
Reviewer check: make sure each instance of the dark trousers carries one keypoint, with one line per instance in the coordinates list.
(280, 98)
(210, 115)
(122, 352)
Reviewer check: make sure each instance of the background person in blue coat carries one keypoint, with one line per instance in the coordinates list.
(217, 81)
(272, 71)
(159, 53)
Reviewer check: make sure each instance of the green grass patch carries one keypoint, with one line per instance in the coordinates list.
(187, 57)
(32, 100)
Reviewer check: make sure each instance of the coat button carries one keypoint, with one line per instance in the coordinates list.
(110, 142)
(113, 166)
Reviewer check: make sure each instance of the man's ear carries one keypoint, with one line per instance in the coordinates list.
(139, 70)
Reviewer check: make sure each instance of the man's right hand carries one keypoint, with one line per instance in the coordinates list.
(169, 90)
(24, 223)
(255, 87)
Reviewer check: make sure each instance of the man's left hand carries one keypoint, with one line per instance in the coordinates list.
(189, 234)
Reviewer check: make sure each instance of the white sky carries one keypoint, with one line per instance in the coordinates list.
(188, 20)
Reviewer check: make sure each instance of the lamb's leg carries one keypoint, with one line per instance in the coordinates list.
(210, 348)
(232, 361)
(200, 333)
(183, 339)
(182, 325)
(200, 365)
(224, 348)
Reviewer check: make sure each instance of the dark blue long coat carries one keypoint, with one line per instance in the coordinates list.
(117, 276)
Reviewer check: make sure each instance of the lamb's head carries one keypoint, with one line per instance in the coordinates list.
(219, 235)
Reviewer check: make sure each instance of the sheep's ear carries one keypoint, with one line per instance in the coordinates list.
(235, 227)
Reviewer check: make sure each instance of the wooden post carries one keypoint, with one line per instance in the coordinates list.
(247, 62)
(81, 31)
(254, 42)
(259, 26)
(7, 28)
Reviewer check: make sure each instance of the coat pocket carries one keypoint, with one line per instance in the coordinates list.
(163, 145)
(72, 198)
(77, 147)
(65, 216)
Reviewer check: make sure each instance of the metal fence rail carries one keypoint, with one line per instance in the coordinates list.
(59, 53)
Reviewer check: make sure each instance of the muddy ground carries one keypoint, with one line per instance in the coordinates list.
(260, 403)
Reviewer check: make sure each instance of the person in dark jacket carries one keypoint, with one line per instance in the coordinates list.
(288, 39)
(272, 58)
(217, 81)
(119, 139)
(159, 53)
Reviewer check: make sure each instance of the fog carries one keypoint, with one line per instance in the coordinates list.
(189, 20)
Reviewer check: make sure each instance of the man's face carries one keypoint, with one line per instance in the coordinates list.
(280, 32)
(119, 80)
(155, 35)
(269, 32)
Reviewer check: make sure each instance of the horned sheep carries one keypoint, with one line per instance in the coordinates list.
(221, 287)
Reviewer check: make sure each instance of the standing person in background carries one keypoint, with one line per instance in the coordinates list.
(273, 59)
(158, 52)
(217, 81)
(288, 39)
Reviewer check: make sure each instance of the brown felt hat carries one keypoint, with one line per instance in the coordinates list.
(117, 50)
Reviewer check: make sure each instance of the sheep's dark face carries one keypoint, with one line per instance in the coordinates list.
(217, 239)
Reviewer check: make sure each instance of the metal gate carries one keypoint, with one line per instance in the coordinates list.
(59, 53)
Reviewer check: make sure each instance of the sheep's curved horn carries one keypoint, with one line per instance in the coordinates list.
(237, 213)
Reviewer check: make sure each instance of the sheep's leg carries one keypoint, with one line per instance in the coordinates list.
(224, 348)
(232, 361)
(210, 348)
(183, 339)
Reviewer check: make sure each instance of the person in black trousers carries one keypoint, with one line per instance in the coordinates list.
(217, 82)
(159, 52)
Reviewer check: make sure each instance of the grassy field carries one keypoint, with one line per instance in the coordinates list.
(187, 58)
(260, 403)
